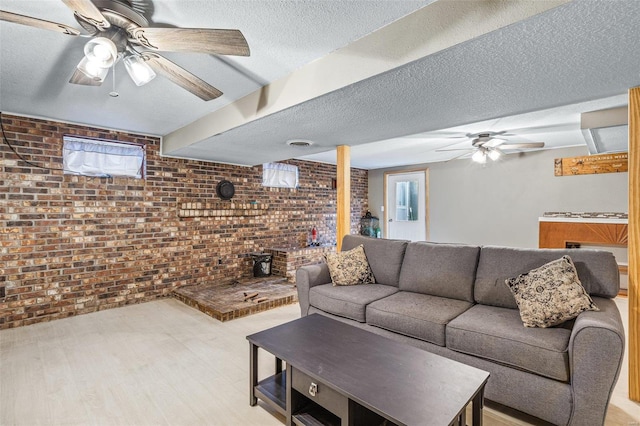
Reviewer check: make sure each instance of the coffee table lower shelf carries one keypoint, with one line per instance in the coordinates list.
(273, 391)
(314, 415)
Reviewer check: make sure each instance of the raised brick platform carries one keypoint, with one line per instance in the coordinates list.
(287, 260)
(225, 301)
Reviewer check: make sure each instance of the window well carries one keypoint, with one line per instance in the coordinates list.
(94, 157)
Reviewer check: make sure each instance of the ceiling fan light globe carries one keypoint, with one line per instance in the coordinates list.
(139, 71)
(92, 69)
(479, 157)
(494, 154)
(102, 51)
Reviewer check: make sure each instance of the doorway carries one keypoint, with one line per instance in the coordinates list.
(406, 204)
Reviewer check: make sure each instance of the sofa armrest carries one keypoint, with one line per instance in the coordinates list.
(307, 277)
(596, 350)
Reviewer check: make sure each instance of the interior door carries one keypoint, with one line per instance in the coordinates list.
(406, 205)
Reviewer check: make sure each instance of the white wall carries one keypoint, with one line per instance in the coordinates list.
(500, 203)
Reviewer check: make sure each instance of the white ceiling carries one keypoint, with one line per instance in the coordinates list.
(531, 78)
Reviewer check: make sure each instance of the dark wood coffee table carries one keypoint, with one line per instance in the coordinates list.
(340, 374)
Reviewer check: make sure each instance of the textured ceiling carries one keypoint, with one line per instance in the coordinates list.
(584, 51)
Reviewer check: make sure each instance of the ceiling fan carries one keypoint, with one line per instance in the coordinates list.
(490, 145)
(117, 31)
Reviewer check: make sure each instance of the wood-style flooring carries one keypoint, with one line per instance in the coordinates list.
(157, 363)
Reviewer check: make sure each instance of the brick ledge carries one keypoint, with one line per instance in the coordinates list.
(221, 209)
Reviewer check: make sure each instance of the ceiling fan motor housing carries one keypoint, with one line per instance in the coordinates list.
(118, 13)
(481, 139)
(118, 36)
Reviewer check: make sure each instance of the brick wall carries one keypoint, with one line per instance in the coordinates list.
(73, 244)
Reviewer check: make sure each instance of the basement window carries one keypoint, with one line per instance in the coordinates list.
(278, 175)
(102, 158)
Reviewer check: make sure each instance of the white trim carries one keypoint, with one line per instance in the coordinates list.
(583, 220)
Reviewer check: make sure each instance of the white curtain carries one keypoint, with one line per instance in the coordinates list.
(100, 158)
(279, 175)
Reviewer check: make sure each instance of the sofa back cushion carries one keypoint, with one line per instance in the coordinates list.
(384, 256)
(445, 270)
(597, 271)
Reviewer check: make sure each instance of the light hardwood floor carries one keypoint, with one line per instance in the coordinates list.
(158, 363)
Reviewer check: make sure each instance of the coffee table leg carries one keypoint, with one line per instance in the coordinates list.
(288, 397)
(278, 365)
(477, 405)
(462, 418)
(253, 373)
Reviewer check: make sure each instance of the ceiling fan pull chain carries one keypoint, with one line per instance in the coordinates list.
(113, 93)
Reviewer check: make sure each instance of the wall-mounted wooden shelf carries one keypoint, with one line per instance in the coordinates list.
(215, 210)
(592, 164)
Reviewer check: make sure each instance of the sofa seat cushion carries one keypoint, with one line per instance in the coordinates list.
(497, 334)
(417, 315)
(348, 301)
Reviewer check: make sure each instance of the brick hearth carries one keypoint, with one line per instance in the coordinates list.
(224, 301)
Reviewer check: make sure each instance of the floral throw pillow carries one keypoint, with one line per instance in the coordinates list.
(551, 294)
(349, 267)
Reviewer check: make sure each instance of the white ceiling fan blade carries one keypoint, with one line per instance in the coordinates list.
(458, 156)
(37, 23)
(181, 77)
(446, 147)
(494, 142)
(87, 11)
(455, 149)
(524, 145)
(82, 79)
(213, 41)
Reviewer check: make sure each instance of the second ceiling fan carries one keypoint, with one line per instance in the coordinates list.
(117, 31)
(490, 145)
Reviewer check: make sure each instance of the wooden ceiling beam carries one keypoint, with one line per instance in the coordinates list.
(431, 29)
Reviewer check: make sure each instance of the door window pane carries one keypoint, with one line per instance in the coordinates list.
(407, 201)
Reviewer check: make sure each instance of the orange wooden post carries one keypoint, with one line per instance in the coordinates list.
(634, 244)
(343, 175)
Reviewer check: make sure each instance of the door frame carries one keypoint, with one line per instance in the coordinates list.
(426, 198)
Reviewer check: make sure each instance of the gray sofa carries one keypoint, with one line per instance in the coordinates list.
(452, 300)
